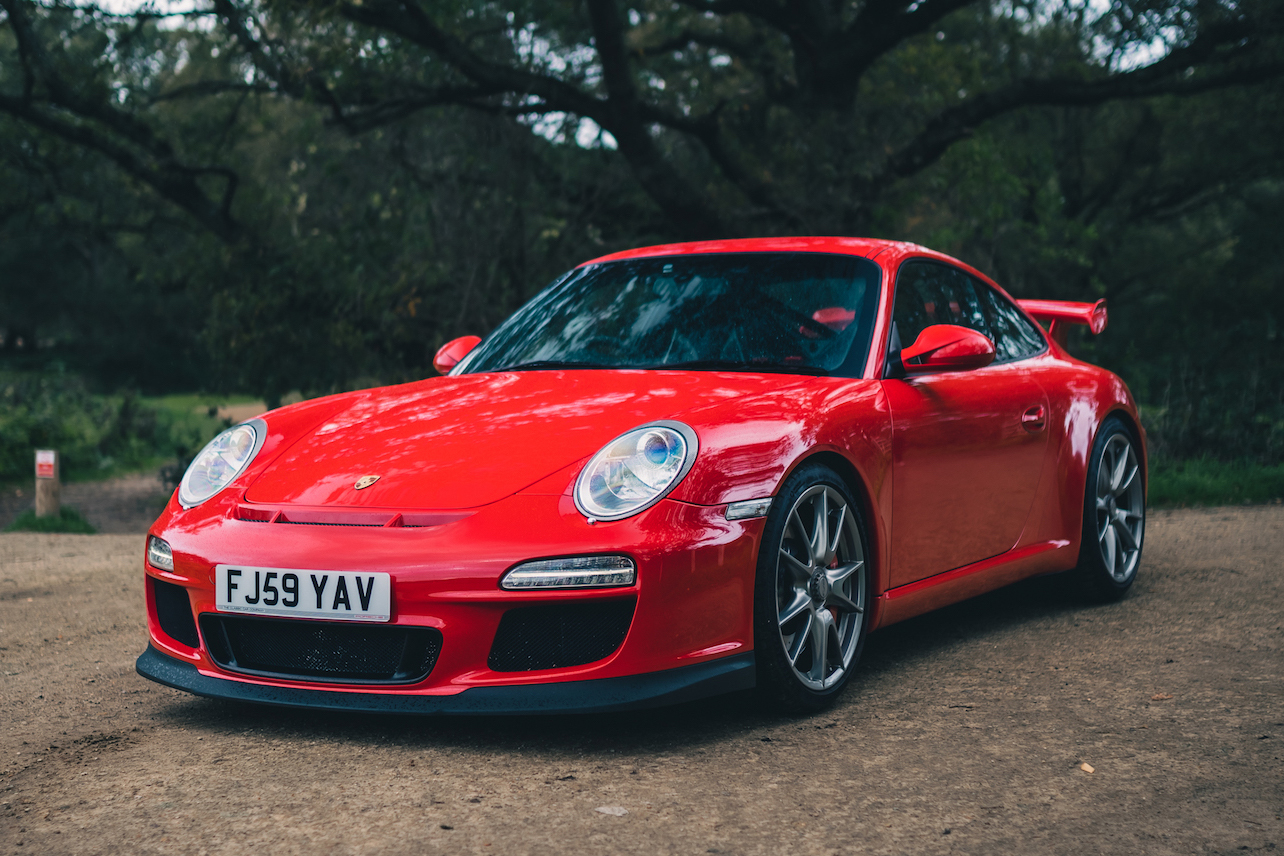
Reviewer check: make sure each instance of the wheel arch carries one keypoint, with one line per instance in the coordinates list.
(863, 494)
(1132, 424)
(1131, 421)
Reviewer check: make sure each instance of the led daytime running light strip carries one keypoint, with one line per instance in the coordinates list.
(578, 572)
(159, 555)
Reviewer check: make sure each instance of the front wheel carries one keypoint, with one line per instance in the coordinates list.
(811, 592)
(1114, 514)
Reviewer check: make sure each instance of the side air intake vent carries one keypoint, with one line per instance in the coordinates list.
(554, 636)
(174, 612)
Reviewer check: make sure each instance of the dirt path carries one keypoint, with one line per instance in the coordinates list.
(964, 733)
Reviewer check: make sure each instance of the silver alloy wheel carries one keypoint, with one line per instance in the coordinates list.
(820, 587)
(1121, 508)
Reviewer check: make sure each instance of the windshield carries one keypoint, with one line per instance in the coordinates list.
(797, 312)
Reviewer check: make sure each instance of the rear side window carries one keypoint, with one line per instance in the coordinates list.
(930, 293)
(1014, 336)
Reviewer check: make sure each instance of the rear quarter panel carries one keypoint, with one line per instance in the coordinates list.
(1081, 397)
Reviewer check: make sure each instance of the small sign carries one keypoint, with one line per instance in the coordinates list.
(45, 460)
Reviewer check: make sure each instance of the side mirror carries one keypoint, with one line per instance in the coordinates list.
(453, 351)
(948, 347)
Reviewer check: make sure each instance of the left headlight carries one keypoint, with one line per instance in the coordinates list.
(635, 470)
(221, 461)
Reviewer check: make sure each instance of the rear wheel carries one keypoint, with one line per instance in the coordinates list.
(1114, 514)
(811, 592)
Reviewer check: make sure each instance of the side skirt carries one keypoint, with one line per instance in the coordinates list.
(916, 598)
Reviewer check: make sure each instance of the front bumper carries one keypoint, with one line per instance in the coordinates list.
(691, 632)
(605, 695)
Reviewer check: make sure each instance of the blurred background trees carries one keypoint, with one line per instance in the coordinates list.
(264, 196)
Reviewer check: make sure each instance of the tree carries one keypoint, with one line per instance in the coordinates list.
(151, 188)
(754, 115)
(316, 195)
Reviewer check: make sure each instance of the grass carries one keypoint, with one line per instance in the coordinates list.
(1204, 481)
(99, 436)
(68, 521)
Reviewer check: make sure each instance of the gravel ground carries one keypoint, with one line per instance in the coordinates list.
(966, 731)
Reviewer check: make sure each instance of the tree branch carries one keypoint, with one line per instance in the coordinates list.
(627, 124)
(206, 88)
(618, 113)
(1164, 77)
(279, 72)
(123, 138)
(778, 15)
(408, 20)
(881, 26)
(373, 115)
(174, 182)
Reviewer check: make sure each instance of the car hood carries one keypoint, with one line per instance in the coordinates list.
(463, 442)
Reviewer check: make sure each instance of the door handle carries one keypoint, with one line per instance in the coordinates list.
(1034, 418)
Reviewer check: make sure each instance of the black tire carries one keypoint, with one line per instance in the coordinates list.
(791, 677)
(1114, 514)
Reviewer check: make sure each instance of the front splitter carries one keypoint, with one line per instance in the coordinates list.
(603, 695)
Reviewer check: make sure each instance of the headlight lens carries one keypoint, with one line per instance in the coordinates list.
(221, 461)
(635, 470)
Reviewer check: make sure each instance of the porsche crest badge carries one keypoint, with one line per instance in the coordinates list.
(365, 482)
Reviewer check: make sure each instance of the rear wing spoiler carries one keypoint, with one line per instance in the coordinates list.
(1056, 314)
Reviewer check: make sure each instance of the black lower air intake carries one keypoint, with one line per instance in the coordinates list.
(321, 651)
(555, 636)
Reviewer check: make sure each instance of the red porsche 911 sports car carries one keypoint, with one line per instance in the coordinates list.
(677, 471)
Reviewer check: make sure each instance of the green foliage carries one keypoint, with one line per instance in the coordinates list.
(68, 520)
(360, 254)
(322, 210)
(1205, 481)
(1169, 209)
(96, 435)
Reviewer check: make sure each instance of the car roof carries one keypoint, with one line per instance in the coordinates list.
(866, 247)
(890, 253)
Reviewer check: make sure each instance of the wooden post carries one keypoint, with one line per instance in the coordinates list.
(48, 484)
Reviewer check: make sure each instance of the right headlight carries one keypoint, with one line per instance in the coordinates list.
(635, 470)
(220, 462)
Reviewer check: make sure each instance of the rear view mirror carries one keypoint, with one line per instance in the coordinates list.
(947, 347)
(453, 351)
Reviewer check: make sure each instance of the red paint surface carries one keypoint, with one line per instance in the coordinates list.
(961, 492)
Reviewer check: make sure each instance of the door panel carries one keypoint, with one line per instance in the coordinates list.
(967, 456)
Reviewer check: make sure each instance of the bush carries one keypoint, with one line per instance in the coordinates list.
(96, 435)
(68, 521)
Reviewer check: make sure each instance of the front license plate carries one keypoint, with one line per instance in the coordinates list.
(337, 595)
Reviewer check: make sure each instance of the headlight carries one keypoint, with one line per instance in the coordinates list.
(635, 470)
(221, 461)
(573, 572)
(159, 555)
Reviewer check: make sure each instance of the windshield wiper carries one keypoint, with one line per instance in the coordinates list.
(741, 366)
